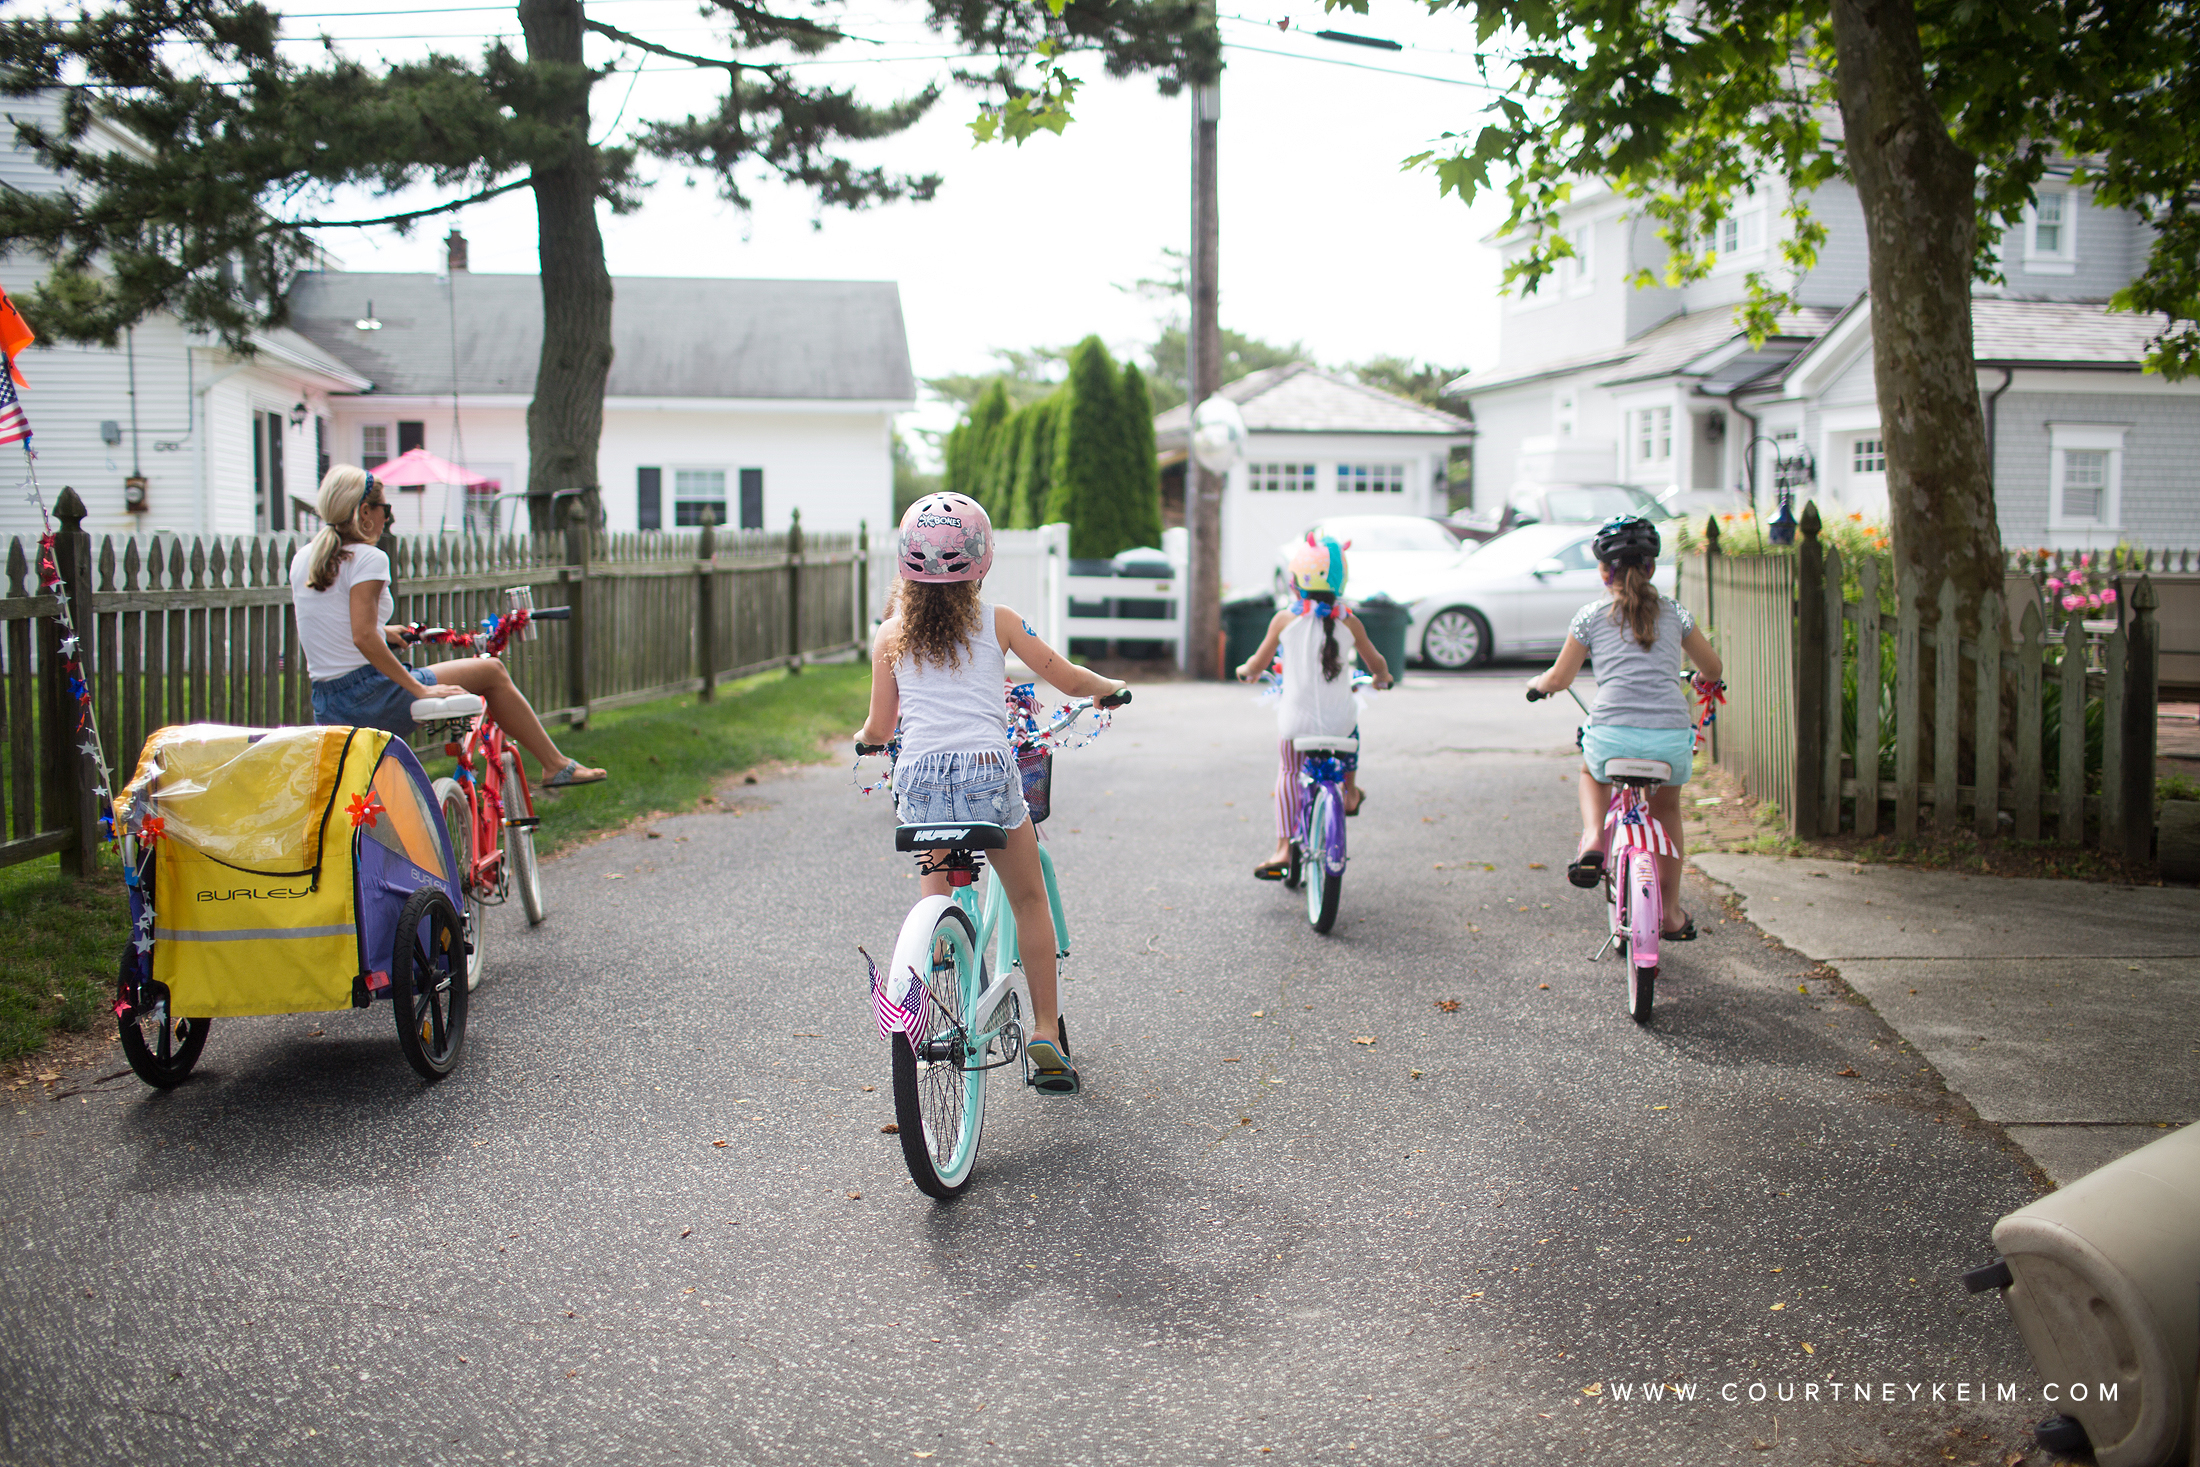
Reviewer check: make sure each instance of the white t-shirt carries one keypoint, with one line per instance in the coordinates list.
(324, 617)
(1313, 706)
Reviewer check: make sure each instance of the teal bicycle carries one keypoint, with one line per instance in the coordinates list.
(949, 1004)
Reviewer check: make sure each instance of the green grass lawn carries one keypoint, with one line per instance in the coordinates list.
(65, 936)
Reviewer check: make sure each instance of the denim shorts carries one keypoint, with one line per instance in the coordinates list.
(1675, 746)
(366, 698)
(950, 789)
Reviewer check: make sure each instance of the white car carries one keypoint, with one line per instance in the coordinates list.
(1398, 554)
(1514, 597)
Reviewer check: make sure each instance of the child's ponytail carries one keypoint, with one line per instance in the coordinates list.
(1635, 599)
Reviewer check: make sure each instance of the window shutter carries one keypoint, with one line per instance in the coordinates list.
(649, 499)
(752, 499)
(411, 436)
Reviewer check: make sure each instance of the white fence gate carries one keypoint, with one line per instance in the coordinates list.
(1031, 573)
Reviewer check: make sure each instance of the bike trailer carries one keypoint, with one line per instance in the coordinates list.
(289, 870)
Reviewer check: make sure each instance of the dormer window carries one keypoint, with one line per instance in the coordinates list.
(1578, 273)
(2051, 233)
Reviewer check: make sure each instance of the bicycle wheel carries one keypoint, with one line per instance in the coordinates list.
(427, 984)
(519, 840)
(1324, 858)
(1645, 916)
(162, 1049)
(939, 1089)
(458, 819)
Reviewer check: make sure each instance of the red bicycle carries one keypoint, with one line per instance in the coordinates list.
(487, 805)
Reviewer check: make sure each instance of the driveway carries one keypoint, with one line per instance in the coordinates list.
(1415, 1192)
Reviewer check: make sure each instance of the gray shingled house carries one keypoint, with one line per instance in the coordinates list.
(741, 399)
(1317, 444)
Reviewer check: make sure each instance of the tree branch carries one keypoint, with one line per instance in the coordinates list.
(630, 39)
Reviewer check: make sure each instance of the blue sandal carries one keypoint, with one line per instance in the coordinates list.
(573, 774)
(1047, 1068)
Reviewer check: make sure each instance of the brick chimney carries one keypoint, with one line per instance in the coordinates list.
(456, 244)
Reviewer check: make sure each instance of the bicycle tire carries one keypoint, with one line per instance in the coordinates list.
(427, 984)
(939, 1095)
(519, 840)
(164, 1060)
(1645, 916)
(1324, 876)
(458, 820)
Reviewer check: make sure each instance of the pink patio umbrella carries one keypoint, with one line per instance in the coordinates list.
(418, 466)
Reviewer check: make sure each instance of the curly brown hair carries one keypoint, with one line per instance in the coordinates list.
(936, 620)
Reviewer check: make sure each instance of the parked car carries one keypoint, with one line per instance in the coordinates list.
(1696, 505)
(1394, 553)
(1514, 597)
(1559, 504)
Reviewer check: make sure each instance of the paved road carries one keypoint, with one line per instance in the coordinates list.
(1257, 1237)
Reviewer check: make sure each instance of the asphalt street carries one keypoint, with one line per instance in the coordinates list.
(1415, 1192)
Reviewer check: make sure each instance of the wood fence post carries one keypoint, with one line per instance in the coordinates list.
(2142, 689)
(576, 596)
(2111, 833)
(1986, 728)
(1710, 617)
(706, 604)
(863, 585)
(2031, 771)
(2070, 768)
(794, 592)
(1829, 793)
(69, 794)
(1867, 696)
(1810, 677)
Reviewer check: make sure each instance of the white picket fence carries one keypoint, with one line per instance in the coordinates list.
(1031, 573)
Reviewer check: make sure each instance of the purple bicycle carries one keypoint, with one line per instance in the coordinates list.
(1317, 855)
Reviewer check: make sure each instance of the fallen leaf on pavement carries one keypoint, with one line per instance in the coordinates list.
(855, 1196)
(614, 876)
(889, 1129)
(1447, 1005)
(1846, 1073)
(1777, 1308)
(1537, 866)
(1807, 1350)
(685, 1231)
(1543, 985)
(717, 1143)
(1593, 1390)
(1231, 1059)
(1363, 1039)
(1414, 1075)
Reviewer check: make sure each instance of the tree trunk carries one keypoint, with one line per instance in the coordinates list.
(565, 420)
(1917, 189)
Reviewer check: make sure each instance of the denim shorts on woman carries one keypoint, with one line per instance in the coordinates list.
(1676, 746)
(953, 789)
(365, 698)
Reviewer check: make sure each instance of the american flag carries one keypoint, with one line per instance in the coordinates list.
(892, 1017)
(14, 427)
(1636, 830)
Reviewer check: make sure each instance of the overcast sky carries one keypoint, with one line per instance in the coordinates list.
(1324, 239)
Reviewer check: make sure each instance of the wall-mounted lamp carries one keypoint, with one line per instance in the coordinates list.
(1714, 427)
(297, 415)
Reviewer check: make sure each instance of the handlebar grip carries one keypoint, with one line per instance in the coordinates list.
(551, 613)
(870, 748)
(1115, 699)
(1537, 695)
(412, 634)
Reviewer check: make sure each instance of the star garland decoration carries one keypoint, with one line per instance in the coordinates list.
(72, 659)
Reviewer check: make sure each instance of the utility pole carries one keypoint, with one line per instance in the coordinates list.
(1203, 487)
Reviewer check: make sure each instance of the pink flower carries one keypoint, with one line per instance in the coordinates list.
(2072, 603)
(2086, 559)
(2108, 597)
(2094, 601)
(2054, 583)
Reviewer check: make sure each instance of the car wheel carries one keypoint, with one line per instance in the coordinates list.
(1456, 638)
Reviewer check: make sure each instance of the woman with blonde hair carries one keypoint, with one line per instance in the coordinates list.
(340, 585)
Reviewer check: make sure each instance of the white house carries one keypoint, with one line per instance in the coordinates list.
(742, 399)
(1600, 380)
(1317, 444)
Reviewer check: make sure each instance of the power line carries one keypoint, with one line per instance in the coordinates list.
(1450, 81)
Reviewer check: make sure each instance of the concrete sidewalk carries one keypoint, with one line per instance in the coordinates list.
(2067, 1012)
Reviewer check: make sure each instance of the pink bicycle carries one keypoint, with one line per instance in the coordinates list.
(487, 804)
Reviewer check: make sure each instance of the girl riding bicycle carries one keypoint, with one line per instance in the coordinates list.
(1317, 688)
(340, 587)
(939, 671)
(1636, 637)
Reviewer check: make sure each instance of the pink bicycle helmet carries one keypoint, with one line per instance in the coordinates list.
(944, 537)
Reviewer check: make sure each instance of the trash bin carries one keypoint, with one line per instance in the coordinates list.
(1244, 622)
(1152, 566)
(1386, 622)
(2099, 1281)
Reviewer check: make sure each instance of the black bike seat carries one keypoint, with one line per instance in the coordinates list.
(967, 835)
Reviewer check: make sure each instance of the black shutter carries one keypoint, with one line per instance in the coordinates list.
(411, 436)
(259, 472)
(752, 499)
(649, 499)
(278, 500)
(320, 452)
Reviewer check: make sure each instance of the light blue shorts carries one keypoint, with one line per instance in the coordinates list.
(955, 788)
(1676, 746)
(366, 698)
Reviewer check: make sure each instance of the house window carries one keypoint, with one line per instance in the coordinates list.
(2051, 234)
(2085, 476)
(1280, 478)
(1868, 456)
(411, 436)
(1565, 413)
(1579, 273)
(1652, 438)
(1371, 478)
(697, 492)
(374, 445)
(1741, 232)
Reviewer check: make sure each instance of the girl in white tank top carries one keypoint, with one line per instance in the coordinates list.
(939, 673)
(1316, 699)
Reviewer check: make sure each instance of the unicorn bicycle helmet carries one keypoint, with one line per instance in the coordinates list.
(1318, 567)
(943, 538)
(1626, 537)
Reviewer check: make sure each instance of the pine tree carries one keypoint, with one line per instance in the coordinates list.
(1035, 465)
(1141, 466)
(1088, 461)
(969, 446)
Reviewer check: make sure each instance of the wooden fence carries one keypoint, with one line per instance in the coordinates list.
(1852, 718)
(203, 632)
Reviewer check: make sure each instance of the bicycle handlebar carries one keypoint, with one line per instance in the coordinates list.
(551, 613)
(1115, 699)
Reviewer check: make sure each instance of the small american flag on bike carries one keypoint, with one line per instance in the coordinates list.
(14, 427)
(1637, 831)
(892, 1017)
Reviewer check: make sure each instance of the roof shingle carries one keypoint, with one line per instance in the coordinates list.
(1302, 398)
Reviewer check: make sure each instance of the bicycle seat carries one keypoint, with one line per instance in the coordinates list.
(451, 708)
(1628, 771)
(968, 835)
(1323, 745)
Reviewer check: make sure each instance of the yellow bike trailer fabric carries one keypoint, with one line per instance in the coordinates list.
(253, 890)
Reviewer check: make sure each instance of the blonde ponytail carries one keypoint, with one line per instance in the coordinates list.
(343, 490)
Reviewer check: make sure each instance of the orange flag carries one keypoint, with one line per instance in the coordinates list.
(15, 334)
